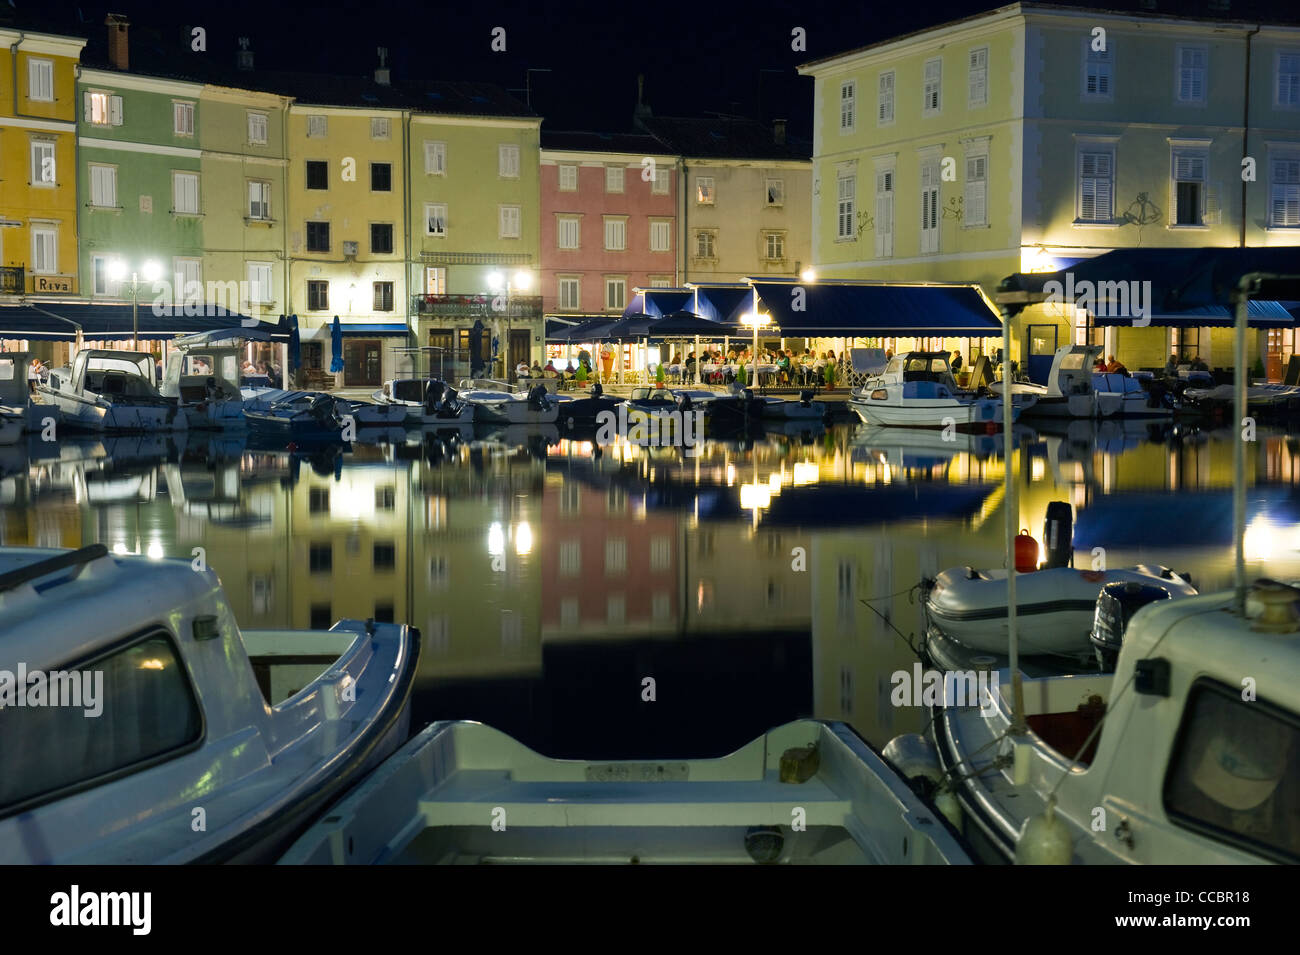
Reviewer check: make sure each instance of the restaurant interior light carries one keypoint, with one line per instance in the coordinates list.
(808, 275)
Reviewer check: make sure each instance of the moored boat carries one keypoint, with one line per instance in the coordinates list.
(299, 415)
(804, 409)
(504, 407)
(917, 390)
(106, 390)
(426, 401)
(202, 377)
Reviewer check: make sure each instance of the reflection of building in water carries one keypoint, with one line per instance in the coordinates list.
(739, 578)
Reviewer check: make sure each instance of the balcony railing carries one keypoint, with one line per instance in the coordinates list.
(13, 280)
(516, 307)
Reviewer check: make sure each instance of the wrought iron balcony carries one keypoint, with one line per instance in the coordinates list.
(484, 307)
(13, 280)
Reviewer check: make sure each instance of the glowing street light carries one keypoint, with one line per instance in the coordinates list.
(152, 272)
(808, 275)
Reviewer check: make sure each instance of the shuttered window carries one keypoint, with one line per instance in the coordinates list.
(1284, 193)
(847, 190)
(1192, 62)
(884, 213)
(929, 207)
(885, 100)
(978, 77)
(1096, 186)
(931, 101)
(975, 200)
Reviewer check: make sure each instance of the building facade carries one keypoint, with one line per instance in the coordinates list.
(1032, 137)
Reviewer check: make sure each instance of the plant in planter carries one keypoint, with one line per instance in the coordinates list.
(1257, 373)
(659, 376)
(829, 373)
(581, 376)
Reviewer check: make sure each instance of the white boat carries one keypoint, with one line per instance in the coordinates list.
(1070, 391)
(1054, 606)
(1132, 398)
(18, 413)
(425, 401)
(108, 390)
(202, 377)
(1196, 761)
(506, 407)
(373, 414)
(805, 409)
(462, 792)
(201, 746)
(917, 390)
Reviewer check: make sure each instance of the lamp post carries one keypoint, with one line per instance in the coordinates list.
(755, 320)
(521, 281)
(117, 272)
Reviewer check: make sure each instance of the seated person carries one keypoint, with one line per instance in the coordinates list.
(1115, 367)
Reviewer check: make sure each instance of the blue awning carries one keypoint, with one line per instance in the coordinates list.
(1258, 315)
(58, 321)
(722, 302)
(659, 301)
(261, 332)
(833, 309)
(588, 331)
(373, 328)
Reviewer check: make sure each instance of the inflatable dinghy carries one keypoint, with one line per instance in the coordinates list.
(1054, 607)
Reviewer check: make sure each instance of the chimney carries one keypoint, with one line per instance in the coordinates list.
(642, 110)
(778, 131)
(244, 56)
(383, 76)
(117, 46)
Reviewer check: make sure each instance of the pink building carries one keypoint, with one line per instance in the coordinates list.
(608, 220)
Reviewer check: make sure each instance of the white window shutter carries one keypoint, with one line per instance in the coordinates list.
(115, 110)
(1103, 198)
(85, 98)
(1213, 212)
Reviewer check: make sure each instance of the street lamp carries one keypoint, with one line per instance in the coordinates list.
(521, 281)
(755, 320)
(152, 272)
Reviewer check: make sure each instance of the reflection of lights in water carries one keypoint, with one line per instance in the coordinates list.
(774, 482)
(1037, 469)
(156, 551)
(805, 472)
(1265, 540)
(755, 496)
(496, 540)
(352, 498)
(120, 549)
(731, 475)
(523, 539)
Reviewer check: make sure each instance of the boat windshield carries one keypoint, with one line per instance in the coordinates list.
(1073, 361)
(926, 368)
(408, 389)
(199, 365)
(142, 367)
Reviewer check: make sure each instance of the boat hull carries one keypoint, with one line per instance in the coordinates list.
(933, 413)
(99, 415)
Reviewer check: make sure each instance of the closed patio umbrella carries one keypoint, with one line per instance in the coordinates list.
(336, 345)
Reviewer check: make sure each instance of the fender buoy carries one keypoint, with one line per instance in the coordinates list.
(1026, 550)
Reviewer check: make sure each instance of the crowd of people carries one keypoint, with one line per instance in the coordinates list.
(270, 370)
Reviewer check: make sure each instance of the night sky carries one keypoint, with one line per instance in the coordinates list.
(697, 59)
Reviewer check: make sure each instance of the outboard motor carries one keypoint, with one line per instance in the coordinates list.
(685, 404)
(1058, 535)
(597, 390)
(537, 397)
(432, 395)
(1116, 605)
(806, 397)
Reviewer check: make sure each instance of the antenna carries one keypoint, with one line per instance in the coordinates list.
(383, 55)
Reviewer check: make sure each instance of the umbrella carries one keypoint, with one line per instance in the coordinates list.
(632, 327)
(289, 325)
(475, 349)
(336, 345)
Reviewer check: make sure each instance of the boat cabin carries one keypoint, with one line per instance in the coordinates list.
(922, 374)
(13, 378)
(127, 374)
(189, 370)
(1072, 370)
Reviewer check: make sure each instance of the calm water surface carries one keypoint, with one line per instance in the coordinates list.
(757, 582)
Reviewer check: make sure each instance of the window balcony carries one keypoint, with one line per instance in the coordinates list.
(13, 280)
(518, 307)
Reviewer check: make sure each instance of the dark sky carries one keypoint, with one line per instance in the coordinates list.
(697, 58)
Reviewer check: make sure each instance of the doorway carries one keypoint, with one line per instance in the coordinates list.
(1041, 352)
(521, 341)
(362, 363)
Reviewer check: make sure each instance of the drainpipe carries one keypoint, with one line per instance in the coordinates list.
(686, 234)
(412, 337)
(1245, 133)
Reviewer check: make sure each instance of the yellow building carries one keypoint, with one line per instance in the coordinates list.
(38, 190)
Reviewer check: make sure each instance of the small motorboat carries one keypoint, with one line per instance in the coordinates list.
(177, 737)
(917, 390)
(1070, 391)
(739, 408)
(202, 377)
(18, 413)
(506, 407)
(805, 409)
(427, 401)
(1262, 401)
(582, 410)
(106, 390)
(309, 415)
(463, 792)
(1167, 761)
(372, 414)
(1133, 396)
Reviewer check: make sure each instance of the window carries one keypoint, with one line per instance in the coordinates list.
(1233, 773)
(44, 172)
(185, 193)
(320, 558)
(435, 158)
(318, 175)
(885, 99)
(321, 617)
(704, 244)
(318, 295)
(929, 206)
(1288, 79)
(40, 80)
(1097, 70)
(318, 236)
(615, 608)
(1188, 197)
(884, 213)
(103, 186)
(848, 106)
(318, 500)
(661, 553)
(704, 193)
(383, 555)
(1096, 186)
(567, 232)
(435, 283)
(570, 293)
(661, 236)
(774, 246)
(103, 285)
(508, 161)
(383, 292)
(435, 218)
(568, 178)
(570, 558)
(259, 283)
(385, 497)
(615, 556)
(379, 127)
(259, 199)
(1190, 78)
(660, 185)
(978, 77)
(661, 281)
(316, 127)
(616, 294)
(257, 129)
(438, 575)
(381, 177)
(183, 119)
(614, 176)
(976, 193)
(45, 250)
(1284, 192)
(381, 238)
(775, 192)
(147, 710)
(846, 192)
(509, 222)
(931, 101)
(615, 234)
(188, 280)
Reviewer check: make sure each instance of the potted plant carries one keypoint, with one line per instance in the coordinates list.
(1257, 373)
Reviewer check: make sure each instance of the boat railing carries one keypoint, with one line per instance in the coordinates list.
(74, 558)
